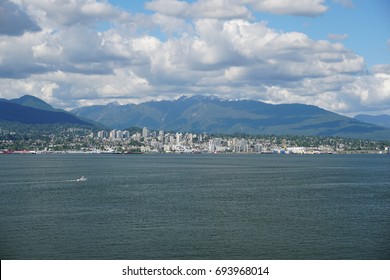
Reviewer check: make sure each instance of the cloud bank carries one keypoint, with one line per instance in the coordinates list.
(14, 21)
(73, 53)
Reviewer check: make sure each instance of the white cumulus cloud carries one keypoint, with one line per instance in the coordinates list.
(14, 21)
(291, 7)
(199, 47)
(228, 9)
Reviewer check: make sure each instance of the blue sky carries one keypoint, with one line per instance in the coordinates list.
(334, 54)
(366, 23)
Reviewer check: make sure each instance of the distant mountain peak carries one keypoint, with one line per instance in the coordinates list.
(185, 96)
(381, 120)
(31, 110)
(200, 97)
(27, 96)
(114, 104)
(33, 102)
(212, 114)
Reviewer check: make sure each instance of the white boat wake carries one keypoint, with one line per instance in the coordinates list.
(81, 179)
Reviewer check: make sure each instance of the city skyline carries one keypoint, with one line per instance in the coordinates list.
(67, 139)
(334, 54)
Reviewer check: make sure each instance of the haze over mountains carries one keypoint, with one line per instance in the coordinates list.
(214, 115)
(381, 120)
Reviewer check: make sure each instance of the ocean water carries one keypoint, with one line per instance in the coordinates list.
(195, 207)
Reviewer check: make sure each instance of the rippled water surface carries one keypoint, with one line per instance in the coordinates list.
(195, 207)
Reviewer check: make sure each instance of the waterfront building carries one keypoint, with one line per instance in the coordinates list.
(161, 136)
(145, 132)
(240, 146)
(179, 138)
(125, 134)
(211, 146)
(166, 139)
(258, 148)
(119, 134)
(156, 145)
(167, 148)
(171, 139)
(136, 137)
(189, 138)
(113, 134)
(102, 134)
(296, 150)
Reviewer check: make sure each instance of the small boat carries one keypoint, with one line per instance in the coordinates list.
(133, 153)
(81, 179)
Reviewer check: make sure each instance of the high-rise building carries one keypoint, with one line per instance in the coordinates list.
(113, 134)
(102, 134)
(161, 136)
(179, 138)
(218, 141)
(119, 134)
(258, 148)
(189, 138)
(211, 146)
(136, 136)
(126, 134)
(145, 132)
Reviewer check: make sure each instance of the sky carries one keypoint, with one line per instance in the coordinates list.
(334, 54)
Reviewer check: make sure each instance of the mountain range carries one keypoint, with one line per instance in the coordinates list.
(31, 110)
(381, 120)
(200, 114)
(32, 101)
(215, 115)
